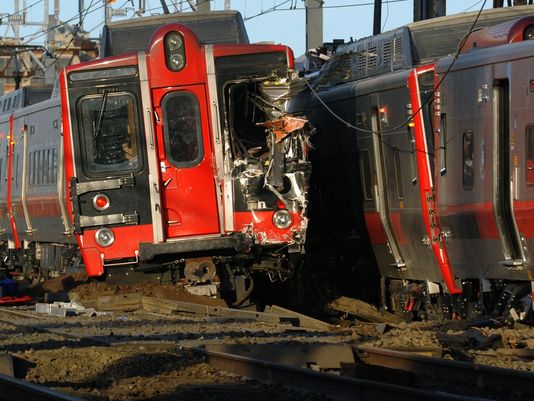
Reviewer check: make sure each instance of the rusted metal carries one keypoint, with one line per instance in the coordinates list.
(479, 375)
(338, 387)
(15, 389)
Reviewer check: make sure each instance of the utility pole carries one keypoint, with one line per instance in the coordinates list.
(377, 21)
(203, 6)
(426, 9)
(314, 24)
(227, 5)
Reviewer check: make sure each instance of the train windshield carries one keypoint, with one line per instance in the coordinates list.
(109, 132)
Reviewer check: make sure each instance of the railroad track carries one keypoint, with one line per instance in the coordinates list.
(283, 364)
(385, 374)
(482, 376)
(12, 389)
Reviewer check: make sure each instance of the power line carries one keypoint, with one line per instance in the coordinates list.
(20, 11)
(295, 8)
(428, 100)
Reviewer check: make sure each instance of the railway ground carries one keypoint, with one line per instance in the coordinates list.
(142, 355)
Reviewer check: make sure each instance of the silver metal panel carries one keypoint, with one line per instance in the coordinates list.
(153, 168)
(223, 182)
(119, 218)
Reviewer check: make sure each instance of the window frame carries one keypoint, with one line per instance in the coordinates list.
(468, 185)
(113, 170)
(166, 138)
(529, 131)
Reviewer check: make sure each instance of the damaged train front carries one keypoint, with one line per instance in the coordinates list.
(269, 168)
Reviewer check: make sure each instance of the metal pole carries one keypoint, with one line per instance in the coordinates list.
(15, 25)
(227, 5)
(164, 6)
(377, 21)
(314, 24)
(107, 16)
(81, 9)
(203, 6)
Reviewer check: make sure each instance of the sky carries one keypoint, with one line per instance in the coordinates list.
(279, 21)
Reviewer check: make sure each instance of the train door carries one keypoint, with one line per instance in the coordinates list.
(187, 167)
(421, 83)
(505, 177)
(381, 188)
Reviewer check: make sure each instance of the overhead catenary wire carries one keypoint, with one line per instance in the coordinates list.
(293, 7)
(19, 11)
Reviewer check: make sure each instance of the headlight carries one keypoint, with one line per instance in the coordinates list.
(528, 33)
(177, 62)
(282, 219)
(175, 51)
(175, 41)
(104, 237)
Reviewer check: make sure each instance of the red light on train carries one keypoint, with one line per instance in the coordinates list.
(101, 202)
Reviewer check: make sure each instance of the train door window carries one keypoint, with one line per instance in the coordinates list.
(443, 145)
(30, 168)
(181, 125)
(16, 170)
(529, 157)
(365, 169)
(110, 133)
(398, 173)
(468, 162)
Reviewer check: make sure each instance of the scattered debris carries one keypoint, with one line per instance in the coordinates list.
(363, 310)
(6, 301)
(171, 307)
(121, 302)
(64, 309)
(166, 292)
(6, 365)
(304, 321)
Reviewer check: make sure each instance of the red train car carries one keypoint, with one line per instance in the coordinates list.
(176, 159)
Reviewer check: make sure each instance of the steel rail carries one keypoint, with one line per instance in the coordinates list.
(482, 376)
(337, 387)
(14, 389)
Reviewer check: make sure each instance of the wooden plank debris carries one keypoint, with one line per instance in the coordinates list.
(166, 293)
(363, 310)
(171, 307)
(6, 365)
(121, 302)
(304, 321)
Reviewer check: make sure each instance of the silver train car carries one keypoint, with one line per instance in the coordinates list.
(32, 183)
(425, 142)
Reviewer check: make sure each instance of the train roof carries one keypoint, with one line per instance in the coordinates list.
(24, 97)
(410, 45)
(133, 35)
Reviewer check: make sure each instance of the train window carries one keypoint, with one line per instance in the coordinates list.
(110, 132)
(181, 124)
(54, 166)
(16, 169)
(30, 168)
(398, 174)
(365, 169)
(443, 145)
(39, 167)
(529, 157)
(46, 164)
(468, 163)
